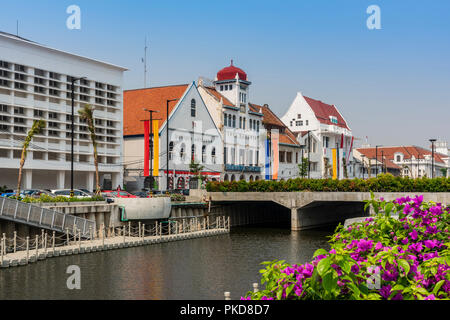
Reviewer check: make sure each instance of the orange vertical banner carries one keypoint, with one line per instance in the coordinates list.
(334, 164)
(275, 140)
(155, 148)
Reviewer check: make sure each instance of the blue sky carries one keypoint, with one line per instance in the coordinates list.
(391, 85)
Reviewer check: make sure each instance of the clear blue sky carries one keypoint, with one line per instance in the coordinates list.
(392, 85)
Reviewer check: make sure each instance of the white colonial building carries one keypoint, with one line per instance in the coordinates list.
(192, 135)
(240, 126)
(35, 83)
(321, 128)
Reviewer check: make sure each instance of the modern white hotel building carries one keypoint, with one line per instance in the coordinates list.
(35, 83)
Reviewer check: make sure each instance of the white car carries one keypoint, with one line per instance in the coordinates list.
(66, 193)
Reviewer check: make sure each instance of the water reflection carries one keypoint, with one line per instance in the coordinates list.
(191, 269)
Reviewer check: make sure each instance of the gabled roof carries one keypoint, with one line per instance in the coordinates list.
(134, 102)
(407, 151)
(219, 96)
(323, 112)
(270, 118)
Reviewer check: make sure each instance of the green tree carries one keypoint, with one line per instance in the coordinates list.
(196, 169)
(87, 113)
(444, 172)
(36, 128)
(303, 167)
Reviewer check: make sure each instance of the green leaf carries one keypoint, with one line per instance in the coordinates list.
(329, 282)
(438, 286)
(405, 265)
(320, 252)
(398, 287)
(388, 208)
(323, 265)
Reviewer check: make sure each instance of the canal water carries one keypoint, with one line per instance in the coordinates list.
(198, 269)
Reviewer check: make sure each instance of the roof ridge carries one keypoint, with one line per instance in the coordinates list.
(159, 87)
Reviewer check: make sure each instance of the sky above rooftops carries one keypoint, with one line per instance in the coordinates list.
(391, 85)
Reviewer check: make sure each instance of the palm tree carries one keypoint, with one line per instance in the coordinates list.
(36, 128)
(87, 113)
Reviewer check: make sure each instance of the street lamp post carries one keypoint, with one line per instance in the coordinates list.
(362, 160)
(309, 152)
(376, 161)
(151, 146)
(432, 157)
(167, 141)
(382, 161)
(73, 80)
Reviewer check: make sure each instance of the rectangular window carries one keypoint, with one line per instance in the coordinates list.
(289, 157)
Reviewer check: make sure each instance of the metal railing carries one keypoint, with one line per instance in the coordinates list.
(27, 213)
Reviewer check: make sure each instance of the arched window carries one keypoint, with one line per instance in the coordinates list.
(180, 183)
(204, 154)
(171, 150)
(225, 120)
(232, 178)
(251, 178)
(182, 152)
(226, 177)
(230, 123)
(213, 155)
(193, 104)
(234, 121)
(242, 177)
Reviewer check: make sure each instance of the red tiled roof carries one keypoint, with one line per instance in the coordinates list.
(323, 112)
(407, 151)
(270, 118)
(134, 101)
(219, 96)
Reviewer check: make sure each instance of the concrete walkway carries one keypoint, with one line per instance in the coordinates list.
(20, 258)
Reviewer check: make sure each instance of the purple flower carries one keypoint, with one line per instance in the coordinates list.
(413, 235)
(355, 268)
(398, 296)
(332, 251)
(430, 244)
(415, 247)
(405, 240)
(430, 297)
(385, 291)
(431, 229)
(378, 246)
(364, 245)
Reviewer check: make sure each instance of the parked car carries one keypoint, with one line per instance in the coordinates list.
(36, 193)
(9, 193)
(141, 194)
(66, 193)
(88, 192)
(117, 194)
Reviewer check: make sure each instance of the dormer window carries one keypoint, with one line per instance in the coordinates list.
(299, 116)
(333, 119)
(398, 157)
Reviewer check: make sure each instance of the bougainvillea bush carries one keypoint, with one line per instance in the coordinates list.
(400, 253)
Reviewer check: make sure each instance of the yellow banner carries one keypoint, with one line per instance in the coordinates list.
(334, 164)
(155, 148)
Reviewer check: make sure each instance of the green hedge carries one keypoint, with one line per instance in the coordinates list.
(384, 183)
(47, 198)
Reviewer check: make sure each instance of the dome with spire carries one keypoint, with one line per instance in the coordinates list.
(229, 73)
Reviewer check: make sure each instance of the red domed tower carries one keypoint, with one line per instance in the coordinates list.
(229, 73)
(232, 83)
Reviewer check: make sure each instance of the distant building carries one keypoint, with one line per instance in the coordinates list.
(192, 135)
(321, 128)
(35, 83)
(240, 126)
(405, 161)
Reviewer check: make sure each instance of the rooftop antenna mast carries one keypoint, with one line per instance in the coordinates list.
(144, 60)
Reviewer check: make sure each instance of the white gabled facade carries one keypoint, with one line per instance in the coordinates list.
(35, 83)
(192, 133)
(322, 125)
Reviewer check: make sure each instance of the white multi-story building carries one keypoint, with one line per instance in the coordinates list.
(35, 83)
(321, 128)
(240, 127)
